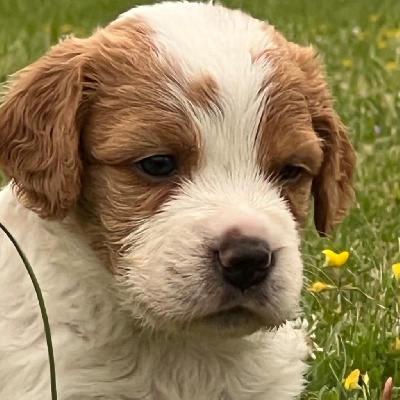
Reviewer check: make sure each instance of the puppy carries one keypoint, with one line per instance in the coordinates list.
(161, 172)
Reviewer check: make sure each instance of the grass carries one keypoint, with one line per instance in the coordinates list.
(355, 324)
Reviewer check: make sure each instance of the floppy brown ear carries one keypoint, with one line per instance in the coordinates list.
(332, 188)
(39, 130)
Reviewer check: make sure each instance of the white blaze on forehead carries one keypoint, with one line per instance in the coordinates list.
(211, 40)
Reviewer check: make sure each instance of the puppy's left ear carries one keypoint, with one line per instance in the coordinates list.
(332, 188)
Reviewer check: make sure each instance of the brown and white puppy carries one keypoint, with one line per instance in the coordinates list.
(162, 169)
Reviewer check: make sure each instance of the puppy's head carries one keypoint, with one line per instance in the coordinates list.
(188, 139)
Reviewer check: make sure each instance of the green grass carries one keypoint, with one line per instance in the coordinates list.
(353, 328)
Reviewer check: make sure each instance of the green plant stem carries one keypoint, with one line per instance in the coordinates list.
(42, 311)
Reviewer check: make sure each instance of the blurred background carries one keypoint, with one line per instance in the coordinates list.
(354, 320)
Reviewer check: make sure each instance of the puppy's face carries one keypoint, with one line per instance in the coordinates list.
(188, 139)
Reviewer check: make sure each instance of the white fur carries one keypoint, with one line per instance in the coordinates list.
(98, 353)
(105, 351)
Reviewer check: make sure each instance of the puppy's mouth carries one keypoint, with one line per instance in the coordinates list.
(239, 314)
(235, 321)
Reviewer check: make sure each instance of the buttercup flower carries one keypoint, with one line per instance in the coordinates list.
(394, 345)
(346, 62)
(355, 379)
(352, 381)
(319, 287)
(391, 65)
(382, 44)
(393, 33)
(373, 17)
(396, 270)
(333, 259)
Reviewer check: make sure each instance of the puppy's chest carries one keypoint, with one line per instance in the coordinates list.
(152, 372)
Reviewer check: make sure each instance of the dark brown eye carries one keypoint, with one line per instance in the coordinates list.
(158, 166)
(291, 173)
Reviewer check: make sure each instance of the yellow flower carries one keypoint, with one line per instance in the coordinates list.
(394, 345)
(346, 62)
(396, 270)
(391, 65)
(333, 259)
(392, 33)
(318, 287)
(352, 381)
(355, 379)
(382, 44)
(373, 17)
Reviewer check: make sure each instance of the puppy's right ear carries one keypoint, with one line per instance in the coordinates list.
(40, 120)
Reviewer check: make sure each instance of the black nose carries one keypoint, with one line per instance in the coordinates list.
(245, 262)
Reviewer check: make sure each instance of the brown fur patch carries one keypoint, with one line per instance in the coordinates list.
(203, 93)
(298, 121)
(132, 116)
(286, 134)
(39, 125)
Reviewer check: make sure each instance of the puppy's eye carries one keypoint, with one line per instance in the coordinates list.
(158, 166)
(291, 173)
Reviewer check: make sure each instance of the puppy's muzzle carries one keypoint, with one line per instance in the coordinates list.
(244, 261)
